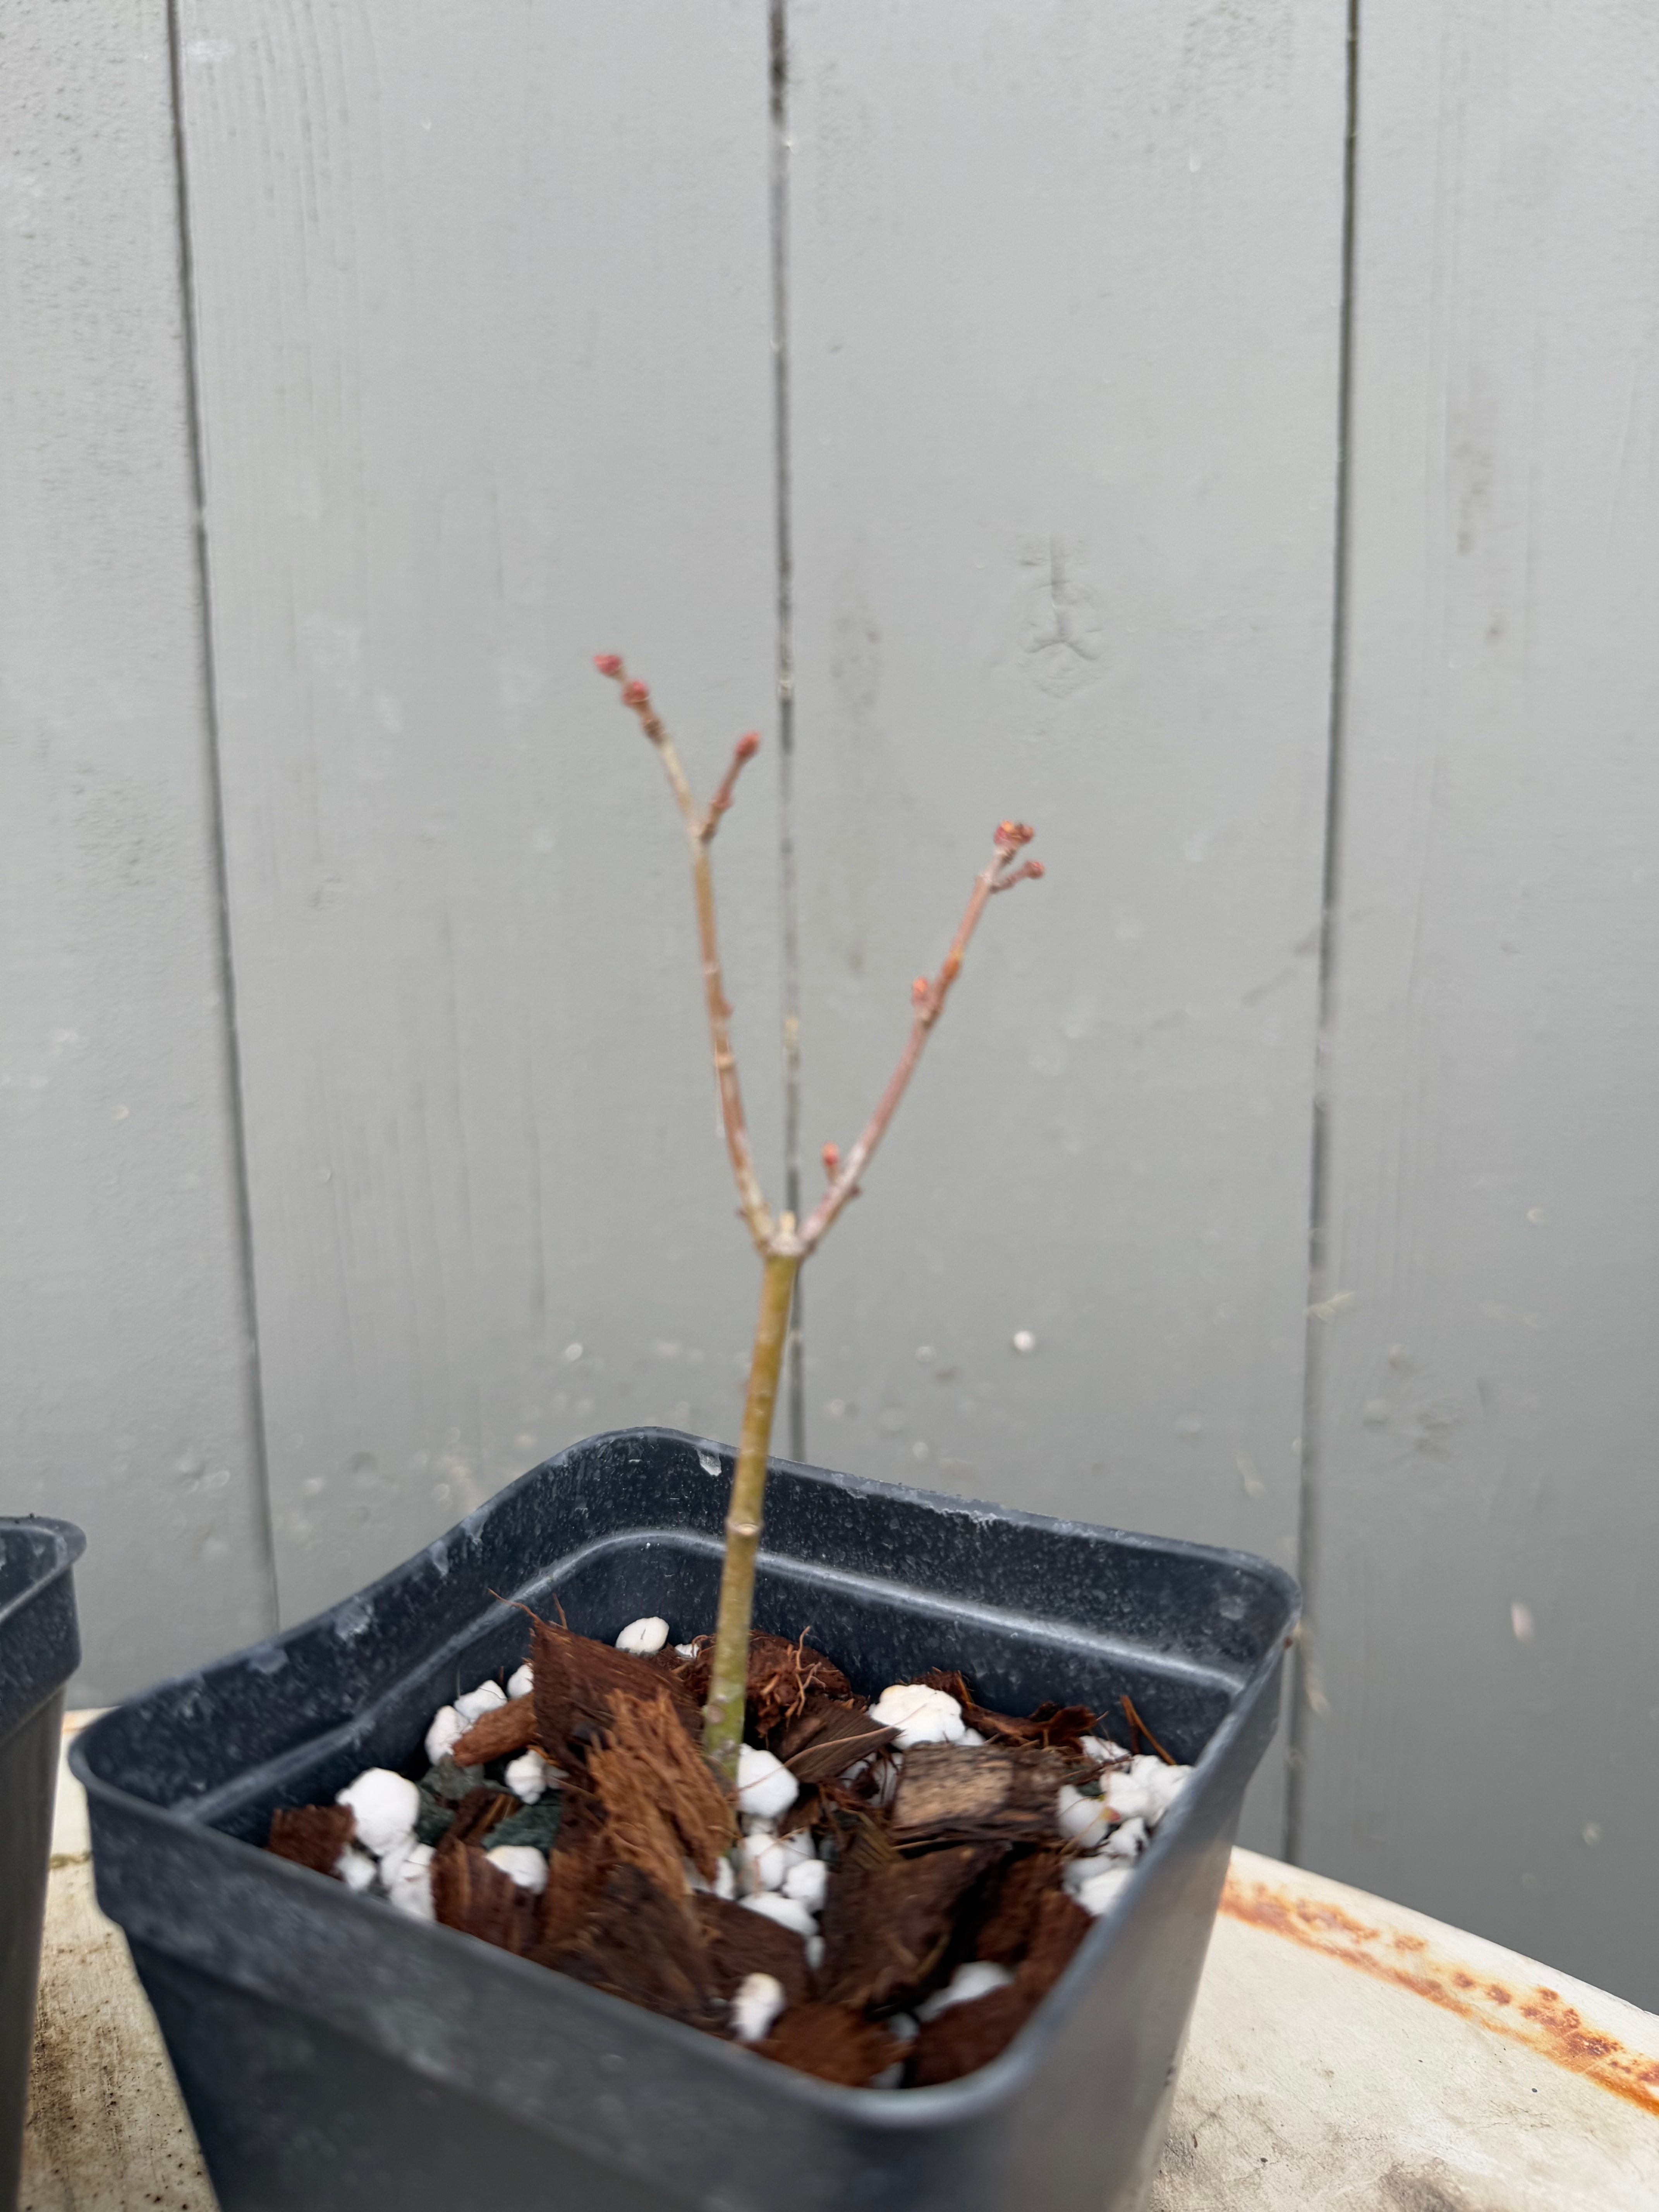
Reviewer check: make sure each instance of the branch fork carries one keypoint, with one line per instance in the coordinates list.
(782, 1242)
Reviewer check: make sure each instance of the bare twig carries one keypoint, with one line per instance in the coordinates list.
(998, 874)
(700, 830)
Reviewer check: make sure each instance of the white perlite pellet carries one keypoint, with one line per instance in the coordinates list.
(1083, 1819)
(1144, 1789)
(766, 1787)
(528, 1775)
(523, 1862)
(975, 1979)
(356, 1868)
(758, 2002)
(385, 1807)
(784, 1910)
(1098, 1883)
(643, 1637)
(807, 1882)
(477, 1703)
(445, 1732)
(771, 1859)
(520, 1681)
(919, 1715)
(1126, 1843)
(408, 1882)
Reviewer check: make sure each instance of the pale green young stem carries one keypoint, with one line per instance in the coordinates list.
(723, 1717)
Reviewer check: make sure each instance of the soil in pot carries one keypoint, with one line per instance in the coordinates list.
(897, 1885)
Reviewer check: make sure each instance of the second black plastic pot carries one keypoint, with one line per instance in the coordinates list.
(40, 1649)
(334, 2054)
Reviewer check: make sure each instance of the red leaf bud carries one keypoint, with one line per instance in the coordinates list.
(635, 693)
(608, 664)
(919, 991)
(748, 744)
(831, 1161)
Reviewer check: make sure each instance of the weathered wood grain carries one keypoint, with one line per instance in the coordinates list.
(1486, 1643)
(1065, 460)
(127, 1402)
(486, 388)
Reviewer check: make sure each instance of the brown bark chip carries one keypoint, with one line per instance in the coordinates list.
(741, 1943)
(640, 1945)
(478, 1812)
(951, 1790)
(577, 1871)
(1005, 1933)
(834, 2041)
(479, 1898)
(661, 1800)
(966, 2037)
(827, 1737)
(1050, 1727)
(500, 1732)
(1059, 1925)
(886, 1925)
(782, 1675)
(312, 1835)
(577, 1681)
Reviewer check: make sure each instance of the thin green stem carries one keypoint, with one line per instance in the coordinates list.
(723, 1717)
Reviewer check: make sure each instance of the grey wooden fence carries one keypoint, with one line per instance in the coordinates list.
(1229, 442)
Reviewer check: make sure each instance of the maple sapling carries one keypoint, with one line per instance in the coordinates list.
(782, 1242)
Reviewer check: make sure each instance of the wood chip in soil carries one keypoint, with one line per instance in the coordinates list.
(827, 1737)
(965, 2037)
(1050, 1727)
(479, 1898)
(578, 1868)
(834, 2041)
(1059, 1925)
(1012, 1896)
(782, 1675)
(741, 1943)
(577, 1681)
(887, 1925)
(312, 1835)
(478, 1812)
(661, 1800)
(500, 1732)
(647, 1947)
(954, 1791)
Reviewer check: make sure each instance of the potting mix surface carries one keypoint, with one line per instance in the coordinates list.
(896, 1887)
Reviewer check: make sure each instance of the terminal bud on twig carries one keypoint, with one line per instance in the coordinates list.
(831, 1159)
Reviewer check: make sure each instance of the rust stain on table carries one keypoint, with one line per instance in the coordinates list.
(1536, 2015)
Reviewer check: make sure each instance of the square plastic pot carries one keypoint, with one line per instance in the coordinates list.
(40, 1649)
(335, 2054)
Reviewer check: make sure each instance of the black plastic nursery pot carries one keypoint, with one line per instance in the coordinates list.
(40, 1649)
(335, 2053)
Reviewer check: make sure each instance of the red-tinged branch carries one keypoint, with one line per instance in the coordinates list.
(928, 999)
(744, 750)
(700, 829)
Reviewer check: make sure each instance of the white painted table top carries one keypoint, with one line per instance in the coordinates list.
(1344, 2053)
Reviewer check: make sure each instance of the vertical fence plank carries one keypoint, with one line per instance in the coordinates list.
(1486, 1642)
(1065, 345)
(127, 1403)
(485, 363)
